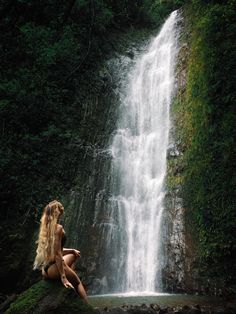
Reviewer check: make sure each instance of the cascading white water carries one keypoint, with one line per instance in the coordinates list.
(139, 152)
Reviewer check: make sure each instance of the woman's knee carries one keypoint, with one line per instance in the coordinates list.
(69, 259)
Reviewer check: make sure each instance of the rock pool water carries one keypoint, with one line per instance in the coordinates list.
(162, 299)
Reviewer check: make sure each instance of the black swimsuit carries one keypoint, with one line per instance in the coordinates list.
(63, 241)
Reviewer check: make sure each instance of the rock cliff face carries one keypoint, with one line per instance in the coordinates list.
(179, 272)
(181, 267)
(86, 205)
(86, 216)
(177, 264)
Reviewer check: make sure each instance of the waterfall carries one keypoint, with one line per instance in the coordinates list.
(139, 150)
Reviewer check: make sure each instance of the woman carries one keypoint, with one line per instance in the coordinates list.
(54, 260)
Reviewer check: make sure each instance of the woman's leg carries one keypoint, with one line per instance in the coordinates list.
(76, 282)
(70, 260)
(53, 273)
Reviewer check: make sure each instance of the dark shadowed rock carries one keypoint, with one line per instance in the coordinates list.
(47, 297)
(223, 310)
(155, 307)
(191, 309)
(4, 305)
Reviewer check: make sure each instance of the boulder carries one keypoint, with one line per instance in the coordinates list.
(47, 296)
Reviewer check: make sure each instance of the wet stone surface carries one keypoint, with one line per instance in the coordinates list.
(155, 308)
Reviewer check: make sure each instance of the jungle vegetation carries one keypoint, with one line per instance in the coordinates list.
(50, 52)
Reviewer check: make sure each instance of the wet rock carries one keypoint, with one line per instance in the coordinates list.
(231, 305)
(46, 297)
(6, 302)
(164, 310)
(178, 311)
(130, 54)
(144, 306)
(170, 310)
(191, 309)
(194, 310)
(155, 307)
(223, 310)
(125, 307)
(140, 310)
(118, 310)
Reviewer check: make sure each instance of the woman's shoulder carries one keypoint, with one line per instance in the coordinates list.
(59, 228)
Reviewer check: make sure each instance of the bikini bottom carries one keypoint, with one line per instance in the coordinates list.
(48, 265)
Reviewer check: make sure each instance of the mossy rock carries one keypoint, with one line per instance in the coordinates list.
(49, 297)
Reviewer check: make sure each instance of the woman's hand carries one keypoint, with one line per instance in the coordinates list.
(77, 253)
(66, 283)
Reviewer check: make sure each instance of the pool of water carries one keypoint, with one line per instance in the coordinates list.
(162, 299)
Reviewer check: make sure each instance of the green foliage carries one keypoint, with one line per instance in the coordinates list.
(50, 108)
(153, 11)
(46, 49)
(207, 128)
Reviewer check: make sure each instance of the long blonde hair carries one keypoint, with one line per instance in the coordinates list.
(46, 238)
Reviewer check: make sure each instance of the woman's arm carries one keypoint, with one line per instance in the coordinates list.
(70, 251)
(59, 258)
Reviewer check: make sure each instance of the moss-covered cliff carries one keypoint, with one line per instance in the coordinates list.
(201, 172)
